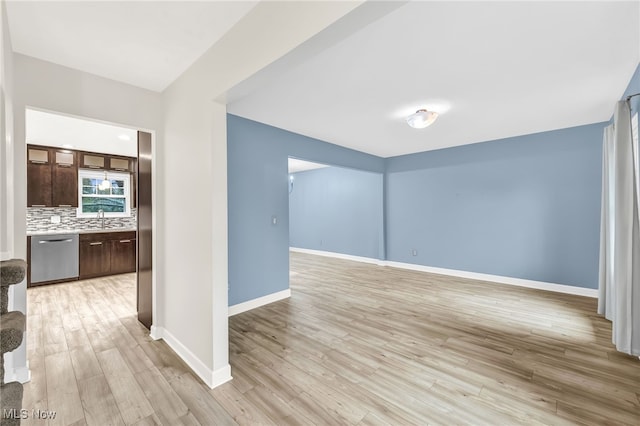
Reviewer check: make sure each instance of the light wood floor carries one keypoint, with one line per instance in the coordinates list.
(355, 344)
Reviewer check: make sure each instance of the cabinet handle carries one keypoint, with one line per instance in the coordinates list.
(125, 241)
(121, 170)
(37, 162)
(38, 205)
(64, 165)
(55, 241)
(96, 244)
(64, 205)
(93, 167)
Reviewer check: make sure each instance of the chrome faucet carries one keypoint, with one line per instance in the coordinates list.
(101, 215)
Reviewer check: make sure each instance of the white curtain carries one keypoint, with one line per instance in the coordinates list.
(619, 292)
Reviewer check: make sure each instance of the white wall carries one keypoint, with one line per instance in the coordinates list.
(16, 366)
(195, 171)
(6, 138)
(43, 85)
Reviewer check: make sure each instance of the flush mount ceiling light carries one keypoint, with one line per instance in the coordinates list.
(124, 137)
(421, 119)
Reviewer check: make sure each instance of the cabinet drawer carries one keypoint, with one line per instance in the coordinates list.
(108, 236)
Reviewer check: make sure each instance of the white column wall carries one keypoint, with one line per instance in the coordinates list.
(195, 172)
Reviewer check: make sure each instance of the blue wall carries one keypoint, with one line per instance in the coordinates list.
(338, 210)
(525, 207)
(258, 189)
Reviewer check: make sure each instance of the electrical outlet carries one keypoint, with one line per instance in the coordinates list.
(414, 252)
(274, 220)
(55, 219)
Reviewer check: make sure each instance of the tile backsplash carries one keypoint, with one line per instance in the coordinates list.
(39, 219)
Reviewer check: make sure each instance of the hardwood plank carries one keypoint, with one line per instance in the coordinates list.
(85, 363)
(204, 408)
(130, 399)
(99, 405)
(35, 390)
(237, 405)
(62, 390)
(164, 400)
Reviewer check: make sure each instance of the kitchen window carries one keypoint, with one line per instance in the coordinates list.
(114, 200)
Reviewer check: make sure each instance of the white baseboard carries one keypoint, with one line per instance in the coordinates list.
(339, 256)
(520, 282)
(210, 377)
(154, 333)
(221, 375)
(22, 374)
(260, 301)
(17, 374)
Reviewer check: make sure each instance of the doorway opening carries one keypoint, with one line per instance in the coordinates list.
(89, 204)
(335, 212)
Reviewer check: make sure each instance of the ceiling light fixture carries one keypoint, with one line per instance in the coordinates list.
(422, 118)
(105, 184)
(124, 137)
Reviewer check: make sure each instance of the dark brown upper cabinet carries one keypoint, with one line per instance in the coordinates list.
(89, 160)
(64, 178)
(120, 164)
(39, 188)
(52, 177)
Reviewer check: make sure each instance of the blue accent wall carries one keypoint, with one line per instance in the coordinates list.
(257, 156)
(338, 210)
(525, 207)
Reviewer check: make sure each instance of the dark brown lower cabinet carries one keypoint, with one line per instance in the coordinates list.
(123, 256)
(95, 258)
(107, 253)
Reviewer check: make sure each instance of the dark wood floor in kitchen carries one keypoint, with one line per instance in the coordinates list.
(355, 344)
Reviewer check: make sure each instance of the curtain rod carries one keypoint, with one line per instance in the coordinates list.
(631, 96)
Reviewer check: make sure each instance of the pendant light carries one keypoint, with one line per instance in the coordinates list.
(105, 184)
(422, 118)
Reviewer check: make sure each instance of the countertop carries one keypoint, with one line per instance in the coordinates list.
(79, 231)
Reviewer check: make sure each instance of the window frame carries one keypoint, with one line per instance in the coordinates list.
(99, 174)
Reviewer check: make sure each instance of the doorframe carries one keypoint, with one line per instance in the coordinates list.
(154, 198)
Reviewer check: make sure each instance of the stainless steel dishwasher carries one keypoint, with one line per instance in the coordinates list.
(54, 257)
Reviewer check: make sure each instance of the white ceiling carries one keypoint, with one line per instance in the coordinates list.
(144, 43)
(43, 128)
(491, 69)
(296, 165)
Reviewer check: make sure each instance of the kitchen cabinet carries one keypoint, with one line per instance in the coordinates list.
(95, 258)
(39, 177)
(64, 179)
(52, 177)
(123, 255)
(91, 160)
(107, 253)
(119, 164)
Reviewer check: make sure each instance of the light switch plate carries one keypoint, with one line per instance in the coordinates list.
(55, 219)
